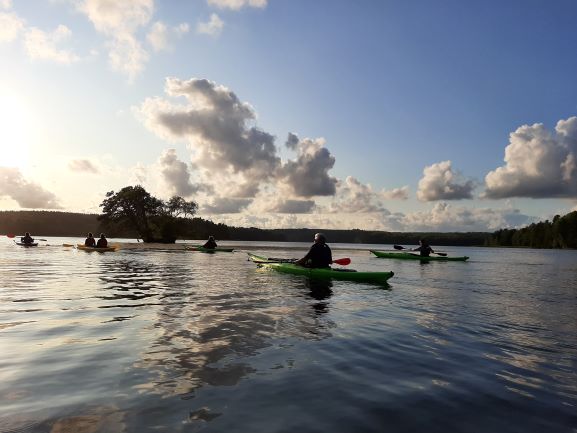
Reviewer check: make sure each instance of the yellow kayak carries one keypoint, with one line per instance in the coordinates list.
(100, 250)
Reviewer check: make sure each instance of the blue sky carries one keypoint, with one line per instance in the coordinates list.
(402, 112)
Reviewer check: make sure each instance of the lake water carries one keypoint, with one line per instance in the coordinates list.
(165, 340)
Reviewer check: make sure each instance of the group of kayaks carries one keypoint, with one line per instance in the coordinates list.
(288, 266)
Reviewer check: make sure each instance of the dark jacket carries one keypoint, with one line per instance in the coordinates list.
(90, 242)
(319, 256)
(102, 243)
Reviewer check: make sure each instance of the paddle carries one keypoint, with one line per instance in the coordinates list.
(343, 262)
(13, 236)
(400, 247)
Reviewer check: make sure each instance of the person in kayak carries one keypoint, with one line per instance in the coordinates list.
(27, 239)
(319, 255)
(210, 243)
(102, 242)
(90, 241)
(424, 248)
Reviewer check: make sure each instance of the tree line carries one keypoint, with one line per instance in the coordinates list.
(559, 233)
(132, 212)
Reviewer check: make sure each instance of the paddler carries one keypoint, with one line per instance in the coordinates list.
(210, 244)
(424, 248)
(102, 242)
(90, 241)
(319, 255)
(27, 239)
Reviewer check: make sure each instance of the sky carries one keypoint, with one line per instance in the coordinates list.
(376, 115)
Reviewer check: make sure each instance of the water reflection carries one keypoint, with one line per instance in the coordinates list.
(205, 329)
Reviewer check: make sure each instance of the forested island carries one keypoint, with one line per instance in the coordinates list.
(559, 233)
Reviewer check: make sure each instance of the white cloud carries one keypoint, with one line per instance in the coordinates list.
(213, 27)
(27, 194)
(43, 46)
(117, 18)
(217, 127)
(538, 163)
(237, 4)
(182, 29)
(308, 175)
(176, 175)
(5, 4)
(226, 205)
(127, 56)
(290, 206)
(83, 166)
(439, 182)
(444, 217)
(120, 20)
(158, 36)
(355, 197)
(401, 193)
(10, 26)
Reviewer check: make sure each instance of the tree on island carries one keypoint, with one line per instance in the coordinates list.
(154, 220)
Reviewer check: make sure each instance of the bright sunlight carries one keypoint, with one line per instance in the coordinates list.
(14, 133)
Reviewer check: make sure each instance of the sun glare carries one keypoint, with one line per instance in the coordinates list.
(14, 131)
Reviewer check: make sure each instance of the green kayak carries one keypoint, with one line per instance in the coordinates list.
(322, 273)
(411, 256)
(209, 250)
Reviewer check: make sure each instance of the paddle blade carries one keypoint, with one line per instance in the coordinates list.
(11, 235)
(398, 247)
(344, 261)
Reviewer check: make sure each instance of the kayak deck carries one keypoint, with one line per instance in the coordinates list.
(411, 256)
(25, 244)
(321, 273)
(97, 249)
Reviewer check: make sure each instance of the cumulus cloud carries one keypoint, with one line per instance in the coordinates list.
(237, 4)
(538, 163)
(120, 20)
(308, 175)
(444, 217)
(226, 205)
(217, 127)
(355, 197)
(41, 45)
(401, 193)
(176, 174)
(160, 34)
(83, 166)
(10, 26)
(27, 194)
(212, 27)
(291, 206)
(292, 141)
(439, 182)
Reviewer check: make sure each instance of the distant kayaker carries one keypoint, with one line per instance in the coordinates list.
(319, 255)
(424, 248)
(102, 242)
(27, 239)
(90, 241)
(210, 243)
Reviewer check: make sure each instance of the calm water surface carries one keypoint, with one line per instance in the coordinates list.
(165, 340)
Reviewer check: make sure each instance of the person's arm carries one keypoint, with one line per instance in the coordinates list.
(303, 261)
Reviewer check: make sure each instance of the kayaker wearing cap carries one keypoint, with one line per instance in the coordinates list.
(319, 255)
(90, 241)
(102, 242)
(210, 243)
(27, 239)
(424, 248)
